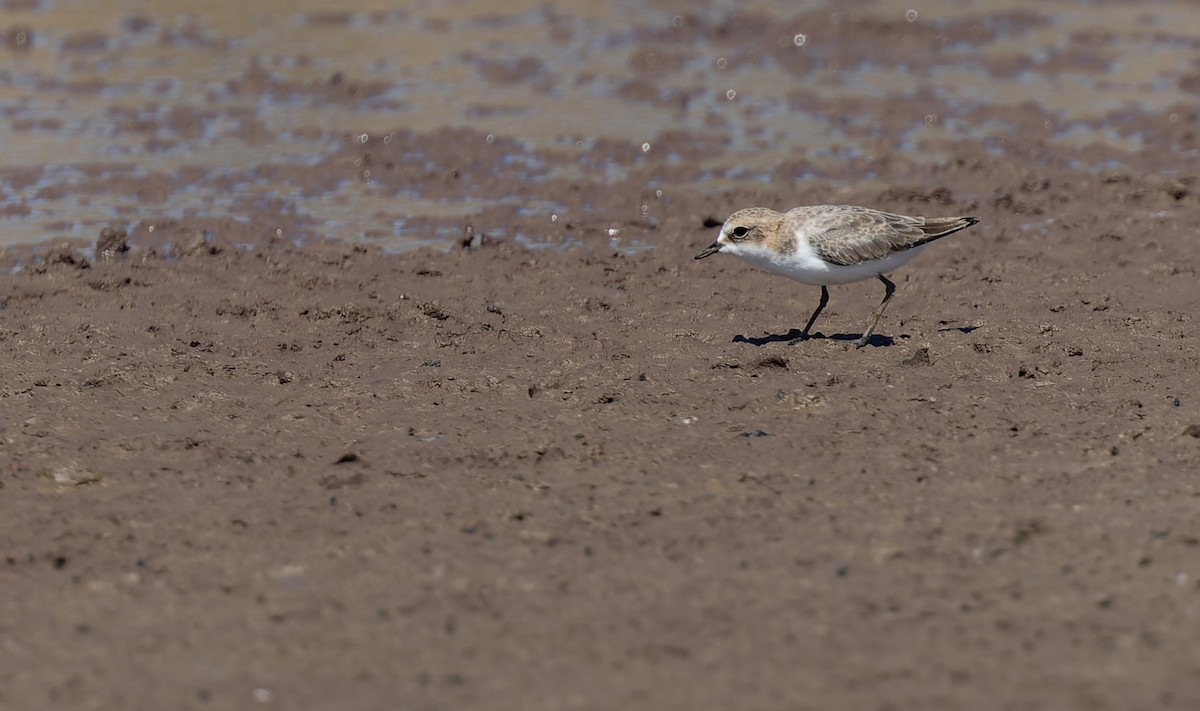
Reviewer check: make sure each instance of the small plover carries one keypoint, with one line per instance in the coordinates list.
(831, 244)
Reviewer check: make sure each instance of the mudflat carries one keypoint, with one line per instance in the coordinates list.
(490, 475)
(247, 461)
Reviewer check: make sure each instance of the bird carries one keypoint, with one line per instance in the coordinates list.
(820, 245)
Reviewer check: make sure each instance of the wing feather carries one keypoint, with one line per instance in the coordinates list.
(853, 235)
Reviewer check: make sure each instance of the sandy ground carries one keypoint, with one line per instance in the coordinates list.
(239, 471)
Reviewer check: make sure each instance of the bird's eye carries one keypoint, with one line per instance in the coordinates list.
(740, 232)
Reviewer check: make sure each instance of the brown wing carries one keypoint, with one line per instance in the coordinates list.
(854, 235)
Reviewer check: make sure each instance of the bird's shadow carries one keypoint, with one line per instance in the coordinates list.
(796, 334)
(960, 329)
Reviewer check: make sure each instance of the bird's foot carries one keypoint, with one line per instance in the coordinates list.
(800, 339)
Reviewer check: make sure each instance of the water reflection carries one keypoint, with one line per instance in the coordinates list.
(124, 112)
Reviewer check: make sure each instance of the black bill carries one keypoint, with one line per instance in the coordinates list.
(709, 250)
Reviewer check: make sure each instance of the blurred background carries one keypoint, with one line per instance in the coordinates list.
(132, 113)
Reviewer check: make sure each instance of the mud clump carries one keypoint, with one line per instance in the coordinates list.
(113, 242)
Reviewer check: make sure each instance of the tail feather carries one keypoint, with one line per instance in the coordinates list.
(937, 227)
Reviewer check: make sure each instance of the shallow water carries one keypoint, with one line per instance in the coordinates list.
(131, 114)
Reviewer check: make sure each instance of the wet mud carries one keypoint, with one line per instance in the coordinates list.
(551, 461)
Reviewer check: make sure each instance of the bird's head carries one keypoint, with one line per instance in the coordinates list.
(744, 231)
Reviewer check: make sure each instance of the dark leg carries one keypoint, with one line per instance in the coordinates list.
(813, 319)
(887, 296)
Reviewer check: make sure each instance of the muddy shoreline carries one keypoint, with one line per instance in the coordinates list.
(492, 474)
(375, 395)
